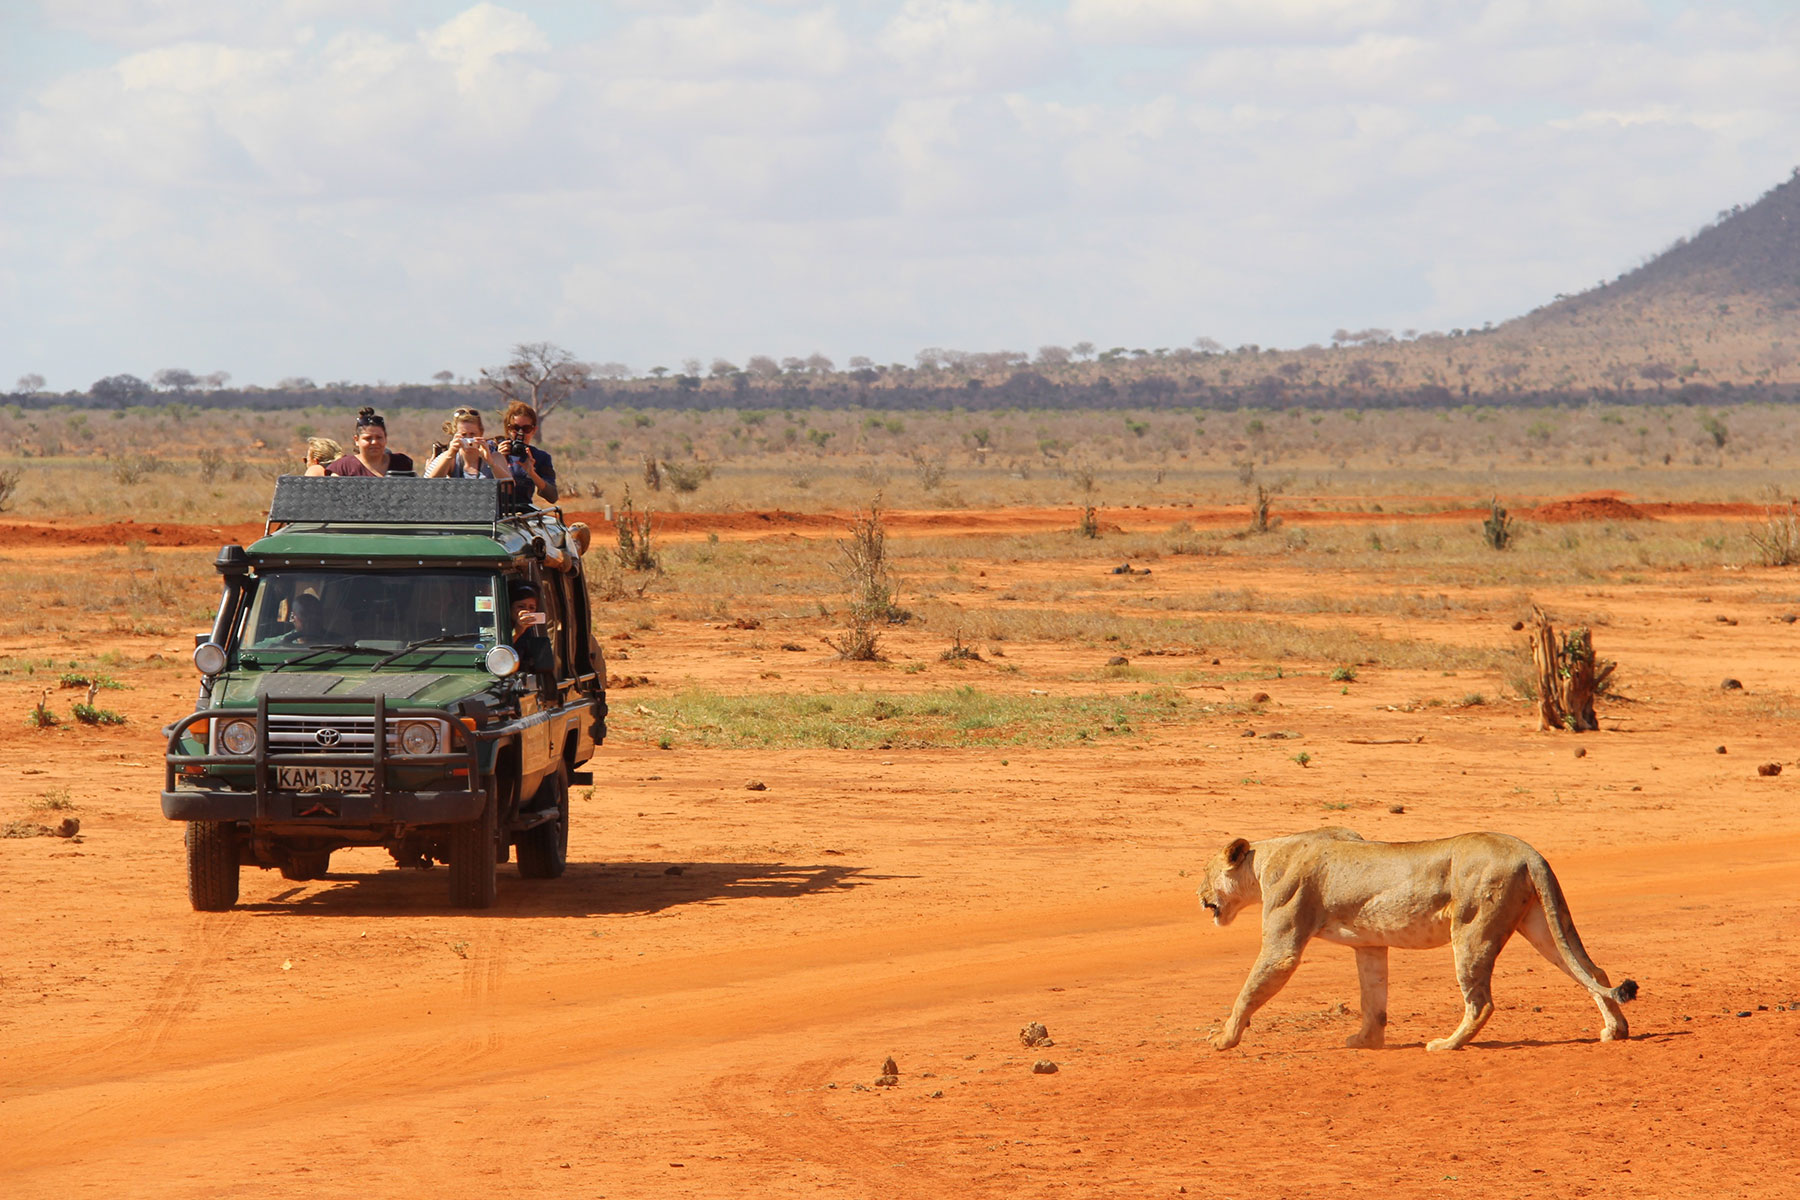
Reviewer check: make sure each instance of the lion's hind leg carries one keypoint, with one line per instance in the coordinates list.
(1477, 945)
(1536, 930)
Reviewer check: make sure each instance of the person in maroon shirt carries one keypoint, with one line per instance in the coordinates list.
(372, 456)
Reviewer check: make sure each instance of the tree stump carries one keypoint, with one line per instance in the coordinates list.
(1568, 675)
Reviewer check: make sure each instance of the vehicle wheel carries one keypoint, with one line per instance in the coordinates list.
(212, 860)
(544, 849)
(472, 860)
(302, 865)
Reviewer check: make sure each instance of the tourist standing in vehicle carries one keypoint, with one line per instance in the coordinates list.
(320, 453)
(470, 455)
(372, 455)
(533, 472)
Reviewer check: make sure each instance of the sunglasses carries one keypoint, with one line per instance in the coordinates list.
(520, 428)
(468, 412)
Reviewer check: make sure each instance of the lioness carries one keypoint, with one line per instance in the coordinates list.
(1472, 891)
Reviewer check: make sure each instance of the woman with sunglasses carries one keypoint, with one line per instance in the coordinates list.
(532, 469)
(470, 455)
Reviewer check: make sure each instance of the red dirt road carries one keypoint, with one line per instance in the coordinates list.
(1598, 506)
(701, 1006)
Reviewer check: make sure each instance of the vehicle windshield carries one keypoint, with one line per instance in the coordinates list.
(294, 609)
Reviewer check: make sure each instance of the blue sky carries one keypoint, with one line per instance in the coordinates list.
(381, 189)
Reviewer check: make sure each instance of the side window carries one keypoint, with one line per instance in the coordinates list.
(581, 659)
(550, 599)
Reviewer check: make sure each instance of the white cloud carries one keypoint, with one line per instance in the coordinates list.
(1157, 22)
(153, 22)
(967, 45)
(335, 191)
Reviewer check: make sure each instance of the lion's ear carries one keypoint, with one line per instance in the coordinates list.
(1236, 852)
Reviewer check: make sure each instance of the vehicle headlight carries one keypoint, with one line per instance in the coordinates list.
(502, 661)
(419, 737)
(238, 737)
(209, 657)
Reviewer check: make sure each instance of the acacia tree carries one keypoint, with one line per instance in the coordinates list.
(542, 374)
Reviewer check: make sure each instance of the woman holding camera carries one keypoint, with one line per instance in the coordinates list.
(533, 471)
(470, 455)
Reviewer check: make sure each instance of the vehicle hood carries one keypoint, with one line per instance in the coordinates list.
(437, 688)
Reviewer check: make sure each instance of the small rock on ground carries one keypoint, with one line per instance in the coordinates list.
(1043, 1066)
(1118, 660)
(1035, 1034)
(1769, 769)
(755, 785)
(1730, 685)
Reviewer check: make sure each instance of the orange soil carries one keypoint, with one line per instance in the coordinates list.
(701, 1006)
(1597, 506)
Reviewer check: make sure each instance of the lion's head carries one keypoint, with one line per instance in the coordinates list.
(1229, 882)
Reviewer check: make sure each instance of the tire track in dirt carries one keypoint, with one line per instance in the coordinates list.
(323, 1064)
(204, 945)
(231, 1080)
(483, 976)
(793, 1123)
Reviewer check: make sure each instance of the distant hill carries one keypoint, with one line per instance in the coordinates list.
(1751, 253)
(1722, 306)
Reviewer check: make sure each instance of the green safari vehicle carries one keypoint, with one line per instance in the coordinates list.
(375, 677)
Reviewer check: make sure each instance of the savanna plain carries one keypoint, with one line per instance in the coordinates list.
(792, 867)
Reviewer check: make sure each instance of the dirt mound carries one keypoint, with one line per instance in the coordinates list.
(124, 533)
(1600, 506)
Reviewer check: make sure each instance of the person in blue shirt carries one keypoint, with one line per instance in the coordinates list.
(533, 472)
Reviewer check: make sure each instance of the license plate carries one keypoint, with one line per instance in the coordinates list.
(337, 779)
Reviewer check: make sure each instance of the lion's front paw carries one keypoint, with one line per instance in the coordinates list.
(1448, 1043)
(1225, 1039)
(1366, 1039)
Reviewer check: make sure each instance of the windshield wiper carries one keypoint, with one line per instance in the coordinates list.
(437, 640)
(315, 651)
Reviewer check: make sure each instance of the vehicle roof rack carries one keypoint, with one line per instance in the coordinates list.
(370, 500)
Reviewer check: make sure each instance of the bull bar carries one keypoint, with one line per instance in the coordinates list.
(382, 805)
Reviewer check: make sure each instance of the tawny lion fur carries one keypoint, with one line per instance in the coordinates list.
(1473, 891)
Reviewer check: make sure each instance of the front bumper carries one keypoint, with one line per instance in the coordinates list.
(326, 809)
(262, 802)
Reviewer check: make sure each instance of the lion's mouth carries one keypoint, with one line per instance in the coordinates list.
(1211, 907)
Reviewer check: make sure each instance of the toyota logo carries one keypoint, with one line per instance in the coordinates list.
(327, 737)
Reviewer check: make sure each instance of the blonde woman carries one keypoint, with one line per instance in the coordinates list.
(470, 455)
(320, 452)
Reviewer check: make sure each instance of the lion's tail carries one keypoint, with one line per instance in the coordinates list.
(1568, 942)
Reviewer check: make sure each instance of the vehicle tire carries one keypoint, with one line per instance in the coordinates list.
(212, 862)
(472, 860)
(544, 849)
(302, 865)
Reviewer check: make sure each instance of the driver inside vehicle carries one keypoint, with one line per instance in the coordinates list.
(306, 612)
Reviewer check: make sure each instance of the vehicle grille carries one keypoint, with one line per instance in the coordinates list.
(299, 734)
